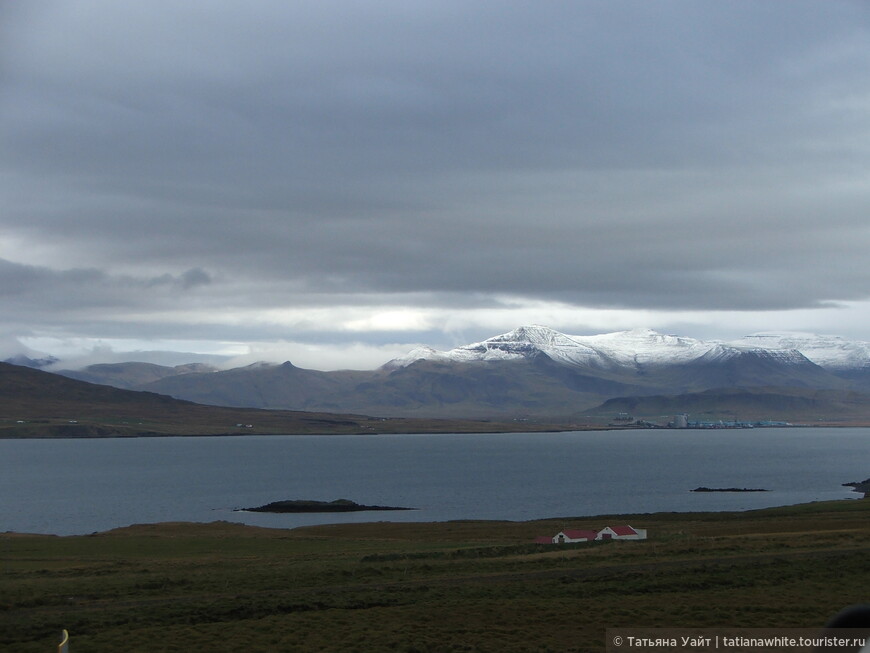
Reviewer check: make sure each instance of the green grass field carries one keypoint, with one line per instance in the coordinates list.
(455, 586)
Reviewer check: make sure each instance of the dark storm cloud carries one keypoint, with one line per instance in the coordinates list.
(671, 155)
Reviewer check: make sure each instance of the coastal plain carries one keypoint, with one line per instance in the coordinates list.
(440, 586)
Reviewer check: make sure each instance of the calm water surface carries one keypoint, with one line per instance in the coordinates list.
(81, 486)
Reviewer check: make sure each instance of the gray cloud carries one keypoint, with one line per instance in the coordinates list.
(676, 156)
(27, 290)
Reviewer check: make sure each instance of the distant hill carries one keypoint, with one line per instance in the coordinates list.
(34, 403)
(132, 375)
(36, 363)
(535, 387)
(806, 405)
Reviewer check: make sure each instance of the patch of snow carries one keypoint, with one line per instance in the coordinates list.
(833, 352)
(723, 352)
(647, 347)
(528, 341)
(416, 354)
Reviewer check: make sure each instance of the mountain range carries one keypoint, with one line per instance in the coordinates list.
(535, 372)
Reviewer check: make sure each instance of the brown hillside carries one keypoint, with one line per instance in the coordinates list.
(40, 404)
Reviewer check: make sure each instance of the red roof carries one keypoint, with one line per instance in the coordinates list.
(623, 530)
(580, 535)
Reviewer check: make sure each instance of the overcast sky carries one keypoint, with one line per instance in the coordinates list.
(336, 182)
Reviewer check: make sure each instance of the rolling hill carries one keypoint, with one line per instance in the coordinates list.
(34, 403)
(796, 405)
(132, 375)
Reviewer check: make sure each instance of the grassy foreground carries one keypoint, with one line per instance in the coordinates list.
(455, 586)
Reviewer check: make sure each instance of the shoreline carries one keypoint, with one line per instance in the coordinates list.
(627, 517)
(549, 428)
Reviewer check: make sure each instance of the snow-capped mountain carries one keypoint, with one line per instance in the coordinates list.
(725, 352)
(537, 371)
(832, 352)
(527, 342)
(604, 351)
(645, 347)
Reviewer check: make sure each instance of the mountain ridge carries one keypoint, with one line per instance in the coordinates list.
(647, 346)
(531, 372)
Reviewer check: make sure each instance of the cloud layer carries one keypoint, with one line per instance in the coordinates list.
(253, 173)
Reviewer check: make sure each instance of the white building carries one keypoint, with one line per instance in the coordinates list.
(568, 536)
(621, 533)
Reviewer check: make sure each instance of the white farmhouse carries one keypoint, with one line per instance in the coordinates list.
(621, 533)
(568, 536)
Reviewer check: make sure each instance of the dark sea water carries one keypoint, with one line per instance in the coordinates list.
(82, 486)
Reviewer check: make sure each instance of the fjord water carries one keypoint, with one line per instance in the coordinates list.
(82, 486)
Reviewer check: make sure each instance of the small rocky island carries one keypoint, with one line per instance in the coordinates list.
(305, 505)
(729, 489)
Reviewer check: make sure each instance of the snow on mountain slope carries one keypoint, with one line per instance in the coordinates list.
(724, 352)
(523, 342)
(640, 347)
(625, 348)
(416, 354)
(645, 346)
(832, 352)
(526, 342)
